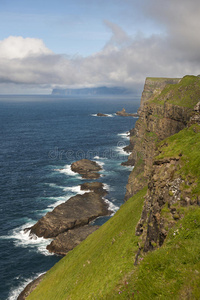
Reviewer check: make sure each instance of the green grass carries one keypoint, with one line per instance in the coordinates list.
(160, 79)
(187, 144)
(172, 271)
(186, 93)
(96, 266)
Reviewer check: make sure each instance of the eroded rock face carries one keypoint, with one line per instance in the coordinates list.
(77, 211)
(88, 169)
(153, 87)
(165, 196)
(67, 241)
(156, 123)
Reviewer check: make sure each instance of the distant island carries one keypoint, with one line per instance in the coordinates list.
(96, 91)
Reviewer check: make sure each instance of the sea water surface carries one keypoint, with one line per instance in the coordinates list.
(40, 137)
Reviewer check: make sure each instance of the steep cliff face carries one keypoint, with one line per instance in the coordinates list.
(162, 114)
(153, 86)
(166, 166)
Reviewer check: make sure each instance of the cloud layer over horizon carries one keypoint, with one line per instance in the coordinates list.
(124, 60)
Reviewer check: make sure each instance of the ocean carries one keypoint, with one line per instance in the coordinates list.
(40, 137)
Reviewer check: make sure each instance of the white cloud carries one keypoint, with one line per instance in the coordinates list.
(124, 61)
(18, 47)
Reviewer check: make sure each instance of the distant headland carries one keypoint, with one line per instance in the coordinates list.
(96, 91)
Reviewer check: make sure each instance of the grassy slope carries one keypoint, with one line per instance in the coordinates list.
(102, 267)
(96, 266)
(172, 271)
(186, 143)
(186, 93)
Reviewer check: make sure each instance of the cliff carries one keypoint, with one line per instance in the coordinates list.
(161, 115)
(162, 212)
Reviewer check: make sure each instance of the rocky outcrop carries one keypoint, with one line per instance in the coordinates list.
(67, 241)
(123, 113)
(96, 187)
(88, 169)
(158, 120)
(77, 211)
(153, 87)
(101, 115)
(29, 288)
(162, 115)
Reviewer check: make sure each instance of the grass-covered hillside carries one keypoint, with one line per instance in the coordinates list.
(102, 267)
(95, 268)
(186, 93)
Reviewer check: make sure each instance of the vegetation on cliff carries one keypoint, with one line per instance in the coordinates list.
(116, 261)
(94, 268)
(186, 93)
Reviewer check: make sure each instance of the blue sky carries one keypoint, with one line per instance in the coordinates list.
(47, 44)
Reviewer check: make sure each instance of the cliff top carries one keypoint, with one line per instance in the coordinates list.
(185, 93)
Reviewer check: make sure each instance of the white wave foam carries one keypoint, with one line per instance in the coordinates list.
(23, 239)
(100, 163)
(121, 150)
(100, 158)
(107, 187)
(67, 171)
(107, 115)
(114, 208)
(14, 293)
(124, 135)
(128, 168)
(72, 191)
(75, 189)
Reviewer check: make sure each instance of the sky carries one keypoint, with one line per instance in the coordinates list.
(88, 43)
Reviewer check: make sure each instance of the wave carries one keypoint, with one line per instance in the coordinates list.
(71, 191)
(99, 158)
(22, 239)
(14, 293)
(128, 168)
(120, 150)
(114, 208)
(124, 135)
(107, 187)
(74, 189)
(107, 115)
(67, 171)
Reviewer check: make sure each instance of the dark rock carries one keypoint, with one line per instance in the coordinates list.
(101, 115)
(67, 241)
(123, 113)
(88, 169)
(96, 187)
(30, 288)
(77, 211)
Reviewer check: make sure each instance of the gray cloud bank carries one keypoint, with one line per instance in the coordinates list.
(124, 61)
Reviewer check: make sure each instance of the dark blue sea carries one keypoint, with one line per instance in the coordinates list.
(40, 137)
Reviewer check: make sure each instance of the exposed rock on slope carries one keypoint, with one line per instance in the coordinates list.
(67, 241)
(162, 114)
(162, 165)
(174, 184)
(154, 86)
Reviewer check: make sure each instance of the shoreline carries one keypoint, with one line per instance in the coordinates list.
(32, 285)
